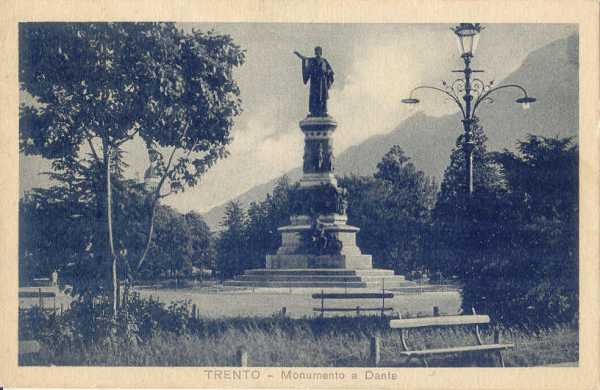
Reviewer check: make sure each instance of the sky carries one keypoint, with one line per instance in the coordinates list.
(375, 65)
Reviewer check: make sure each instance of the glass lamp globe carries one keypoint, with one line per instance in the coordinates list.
(526, 101)
(467, 37)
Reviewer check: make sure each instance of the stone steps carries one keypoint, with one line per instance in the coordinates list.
(301, 271)
(300, 278)
(293, 284)
(319, 277)
(390, 283)
(375, 272)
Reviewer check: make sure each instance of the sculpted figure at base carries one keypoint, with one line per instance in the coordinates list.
(319, 72)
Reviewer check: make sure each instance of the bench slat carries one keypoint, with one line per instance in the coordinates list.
(353, 296)
(36, 294)
(349, 309)
(439, 321)
(470, 348)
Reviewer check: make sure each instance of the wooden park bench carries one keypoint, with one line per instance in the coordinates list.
(29, 350)
(448, 321)
(358, 309)
(40, 295)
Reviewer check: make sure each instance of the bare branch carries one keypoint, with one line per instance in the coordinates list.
(94, 153)
(161, 196)
(168, 167)
(191, 149)
(128, 138)
(149, 236)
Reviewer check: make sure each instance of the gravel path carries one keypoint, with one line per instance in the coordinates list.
(298, 302)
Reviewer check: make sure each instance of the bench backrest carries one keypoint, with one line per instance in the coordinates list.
(439, 321)
(36, 294)
(352, 295)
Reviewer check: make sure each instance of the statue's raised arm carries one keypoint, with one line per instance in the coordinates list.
(320, 74)
(300, 55)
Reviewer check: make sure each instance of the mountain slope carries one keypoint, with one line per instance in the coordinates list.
(549, 73)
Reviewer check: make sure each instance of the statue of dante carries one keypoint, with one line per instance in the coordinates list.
(320, 74)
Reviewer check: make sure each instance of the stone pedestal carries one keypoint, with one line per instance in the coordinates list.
(336, 238)
(293, 253)
(318, 151)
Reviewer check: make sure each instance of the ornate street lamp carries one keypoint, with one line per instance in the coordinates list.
(467, 37)
(473, 90)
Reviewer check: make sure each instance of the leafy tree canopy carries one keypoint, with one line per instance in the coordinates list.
(115, 81)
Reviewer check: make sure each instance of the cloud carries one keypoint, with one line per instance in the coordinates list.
(266, 145)
(261, 150)
(383, 73)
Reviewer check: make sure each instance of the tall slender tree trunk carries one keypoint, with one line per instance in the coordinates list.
(153, 206)
(111, 247)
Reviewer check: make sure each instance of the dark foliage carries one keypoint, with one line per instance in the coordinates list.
(392, 209)
(231, 244)
(57, 233)
(514, 244)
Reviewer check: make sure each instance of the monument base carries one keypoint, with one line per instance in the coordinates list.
(293, 252)
(293, 266)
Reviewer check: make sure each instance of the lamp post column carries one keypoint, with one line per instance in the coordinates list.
(468, 144)
(468, 147)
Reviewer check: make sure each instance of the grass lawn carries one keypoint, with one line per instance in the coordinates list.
(311, 342)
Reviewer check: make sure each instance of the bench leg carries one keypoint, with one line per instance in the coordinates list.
(500, 358)
(422, 359)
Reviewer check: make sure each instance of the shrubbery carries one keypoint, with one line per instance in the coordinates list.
(514, 244)
(90, 321)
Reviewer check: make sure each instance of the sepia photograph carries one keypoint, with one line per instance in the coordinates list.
(306, 198)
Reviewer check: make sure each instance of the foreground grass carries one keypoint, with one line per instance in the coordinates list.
(311, 342)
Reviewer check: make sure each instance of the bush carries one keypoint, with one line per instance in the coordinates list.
(89, 321)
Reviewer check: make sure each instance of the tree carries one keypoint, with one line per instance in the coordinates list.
(456, 217)
(486, 177)
(544, 177)
(171, 250)
(515, 247)
(411, 186)
(543, 192)
(264, 218)
(97, 86)
(200, 240)
(392, 209)
(53, 232)
(56, 227)
(231, 244)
